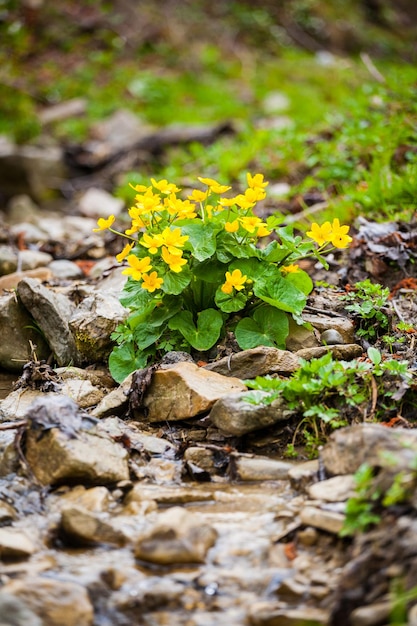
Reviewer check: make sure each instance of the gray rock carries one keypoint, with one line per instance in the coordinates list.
(92, 323)
(235, 415)
(64, 269)
(256, 362)
(331, 337)
(177, 537)
(97, 203)
(302, 475)
(21, 209)
(32, 259)
(55, 602)
(373, 615)
(335, 489)
(52, 312)
(251, 468)
(330, 521)
(15, 346)
(8, 260)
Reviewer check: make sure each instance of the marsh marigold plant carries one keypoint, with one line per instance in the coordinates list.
(196, 271)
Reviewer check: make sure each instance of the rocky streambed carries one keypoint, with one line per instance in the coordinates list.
(167, 499)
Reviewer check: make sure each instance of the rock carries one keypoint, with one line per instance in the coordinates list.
(177, 537)
(8, 260)
(65, 270)
(63, 110)
(15, 544)
(255, 362)
(373, 615)
(341, 352)
(95, 499)
(55, 602)
(330, 521)
(235, 415)
(14, 612)
(275, 102)
(51, 312)
(10, 281)
(260, 468)
(373, 444)
(80, 526)
(63, 451)
(114, 402)
(22, 209)
(83, 392)
(169, 495)
(32, 259)
(7, 513)
(16, 404)
(302, 475)
(335, 489)
(184, 390)
(202, 458)
(15, 347)
(339, 324)
(269, 614)
(300, 337)
(30, 233)
(97, 203)
(92, 323)
(412, 616)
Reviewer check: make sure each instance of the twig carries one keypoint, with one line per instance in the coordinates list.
(12, 425)
(397, 311)
(369, 64)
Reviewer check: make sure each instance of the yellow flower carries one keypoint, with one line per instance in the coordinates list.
(173, 240)
(152, 242)
(234, 280)
(257, 181)
(250, 223)
(320, 234)
(290, 269)
(242, 201)
(139, 188)
(198, 196)
(254, 195)
(214, 185)
(164, 186)
(231, 227)
(123, 254)
(151, 282)
(339, 236)
(104, 224)
(182, 209)
(137, 266)
(263, 231)
(174, 261)
(227, 201)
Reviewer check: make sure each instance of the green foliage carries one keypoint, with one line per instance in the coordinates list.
(368, 303)
(326, 391)
(360, 508)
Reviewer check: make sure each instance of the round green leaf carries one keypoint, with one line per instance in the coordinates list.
(205, 334)
(267, 327)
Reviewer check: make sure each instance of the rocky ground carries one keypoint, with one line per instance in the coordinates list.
(167, 499)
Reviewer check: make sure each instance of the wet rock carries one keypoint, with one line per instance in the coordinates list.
(234, 414)
(63, 451)
(330, 521)
(335, 489)
(256, 362)
(65, 270)
(185, 390)
(374, 444)
(302, 475)
(202, 458)
(15, 544)
(96, 499)
(14, 612)
(52, 312)
(270, 614)
(342, 352)
(169, 495)
(177, 537)
(7, 513)
(160, 471)
(81, 526)
(10, 281)
(97, 203)
(15, 348)
(55, 602)
(93, 322)
(150, 594)
(260, 468)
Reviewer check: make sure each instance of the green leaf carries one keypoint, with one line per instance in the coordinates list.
(175, 282)
(301, 280)
(124, 360)
(268, 327)
(205, 334)
(278, 291)
(230, 302)
(252, 268)
(134, 296)
(146, 334)
(202, 239)
(210, 270)
(375, 355)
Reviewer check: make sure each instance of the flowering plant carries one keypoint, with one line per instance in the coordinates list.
(196, 271)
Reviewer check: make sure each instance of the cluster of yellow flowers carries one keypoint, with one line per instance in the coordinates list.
(332, 233)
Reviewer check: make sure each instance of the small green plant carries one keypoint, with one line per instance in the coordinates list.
(329, 394)
(368, 302)
(360, 507)
(196, 271)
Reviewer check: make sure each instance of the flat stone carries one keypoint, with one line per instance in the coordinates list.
(255, 362)
(330, 521)
(16, 404)
(10, 281)
(303, 474)
(184, 390)
(339, 351)
(56, 602)
(114, 402)
(372, 615)
(177, 537)
(250, 468)
(235, 415)
(335, 489)
(169, 495)
(82, 527)
(15, 544)
(274, 614)
(342, 325)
